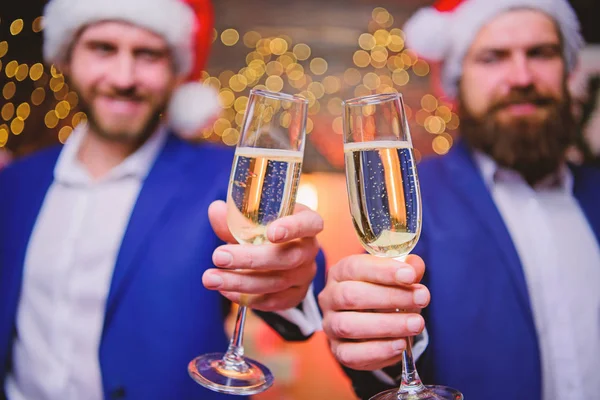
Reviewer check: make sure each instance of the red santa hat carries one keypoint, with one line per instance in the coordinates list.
(186, 25)
(444, 32)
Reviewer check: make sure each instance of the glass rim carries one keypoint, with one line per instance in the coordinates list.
(371, 99)
(279, 96)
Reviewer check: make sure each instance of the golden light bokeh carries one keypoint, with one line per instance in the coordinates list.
(276, 63)
(238, 83)
(379, 54)
(16, 27)
(362, 90)
(435, 125)
(317, 89)
(37, 24)
(38, 96)
(220, 125)
(57, 83)
(8, 91)
(361, 58)
(366, 41)
(55, 72)
(396, 43)
(454, 122)
(17, 125)
(278, 46)
(371, 81)
(441, 145)
(64, 133)
(309, 126)
(338, 125)
(302, 51)
(11, 69)
(230, 37)
(23, 111)
(3, 48)
(318, 66)
(51, 119)
(231, 136)
(22, 72)
(274, 83)
(79, 118)
(226, 97)
(274, 68)
(444, 112)
(240, 104)
(36, 71)
(382, 37)
(251, 38)
(332, 84)
(8, 110)
(421, 68)
(294, 71)
(400, 77)
(287, 60)
(3, 135)
(429, 103)
(62, 109)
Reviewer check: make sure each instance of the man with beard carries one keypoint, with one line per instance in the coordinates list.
(510, 230)
(104, 244)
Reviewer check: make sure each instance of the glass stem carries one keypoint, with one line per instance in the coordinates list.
(411, 382)
(234, 358)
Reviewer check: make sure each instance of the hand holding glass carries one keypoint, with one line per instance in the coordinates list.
(262, 188)
(385, 203)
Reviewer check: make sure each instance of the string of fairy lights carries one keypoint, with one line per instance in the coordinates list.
(381, 64)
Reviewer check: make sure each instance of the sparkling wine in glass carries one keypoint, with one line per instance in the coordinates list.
(262, 188)
(385, 203)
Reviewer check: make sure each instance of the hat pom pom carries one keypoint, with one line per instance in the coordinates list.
(193, 107)
(427, 33)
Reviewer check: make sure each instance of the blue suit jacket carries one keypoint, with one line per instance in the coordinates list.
(482, 335)
(158, 315)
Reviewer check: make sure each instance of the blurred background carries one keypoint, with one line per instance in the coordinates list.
(325, 50)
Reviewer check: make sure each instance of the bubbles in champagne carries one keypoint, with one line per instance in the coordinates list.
(262, 188)
(384, 196)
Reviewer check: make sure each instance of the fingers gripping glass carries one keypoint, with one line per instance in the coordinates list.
(385, 203)
(262, 188)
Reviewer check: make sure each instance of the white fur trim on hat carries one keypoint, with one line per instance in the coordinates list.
(193, 107)
(450, 40)
(171, 19)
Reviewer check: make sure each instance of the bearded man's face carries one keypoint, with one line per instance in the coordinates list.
(514, 104)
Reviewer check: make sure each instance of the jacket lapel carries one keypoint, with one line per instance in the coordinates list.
(471, 187)
(586, 189)
(152, 207)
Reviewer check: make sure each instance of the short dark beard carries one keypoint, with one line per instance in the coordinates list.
(533, 148)
(136, 139)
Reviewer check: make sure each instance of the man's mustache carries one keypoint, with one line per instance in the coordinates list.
(516, 98)
(124, 96)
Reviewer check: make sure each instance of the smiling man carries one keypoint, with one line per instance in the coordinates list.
(105, 243)
(510, 231)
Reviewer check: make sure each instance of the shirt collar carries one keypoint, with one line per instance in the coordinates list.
(492, 173)
(69, 169)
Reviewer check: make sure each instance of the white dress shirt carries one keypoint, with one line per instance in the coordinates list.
(67, 274)
(561, 261)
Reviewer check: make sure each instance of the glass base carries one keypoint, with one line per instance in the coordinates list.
(245, 377)
(431, 393)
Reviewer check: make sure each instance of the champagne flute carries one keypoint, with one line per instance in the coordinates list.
(262, 188)
(385, 203)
